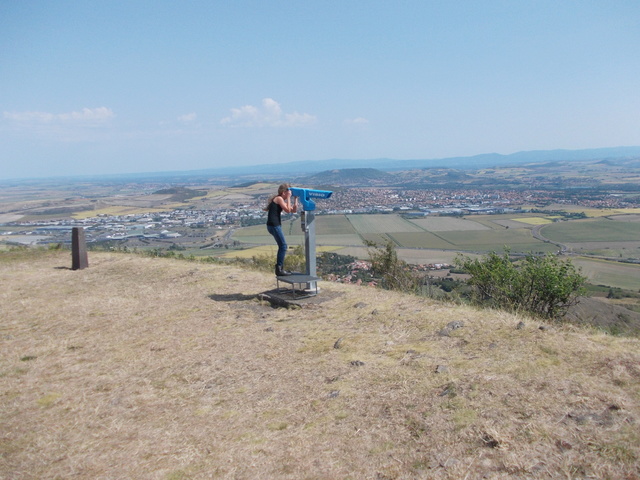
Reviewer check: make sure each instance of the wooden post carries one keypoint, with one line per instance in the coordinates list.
(79, 258)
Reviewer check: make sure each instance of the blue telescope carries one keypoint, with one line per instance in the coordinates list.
(305, 196)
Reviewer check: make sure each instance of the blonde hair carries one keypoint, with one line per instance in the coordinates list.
(281, 189)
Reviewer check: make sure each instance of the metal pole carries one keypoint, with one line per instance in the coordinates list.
(310, 247)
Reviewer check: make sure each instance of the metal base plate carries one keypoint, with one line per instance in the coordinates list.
(308, 284)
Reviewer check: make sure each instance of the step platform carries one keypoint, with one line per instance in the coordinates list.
(301, 280)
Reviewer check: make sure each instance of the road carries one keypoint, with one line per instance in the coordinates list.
(564, 250)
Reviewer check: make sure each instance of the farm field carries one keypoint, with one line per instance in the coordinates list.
(334, 225)
(611, 274)
(535, 220)
(419, 256)
(513, 221)
(493, 239)
(364, 224)
(9, 217)
(449, 224)
(440, 233)
(266, 250)
(592, 230)
(593, 212)
(121, 210)
(613, 237)
(627, 218)
(438, 239)
(419, 240)
(611, 250)
(329, 231)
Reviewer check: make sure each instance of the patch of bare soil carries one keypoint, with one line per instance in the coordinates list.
(165, 369)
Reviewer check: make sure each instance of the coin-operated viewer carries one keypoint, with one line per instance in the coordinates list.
(305, 197)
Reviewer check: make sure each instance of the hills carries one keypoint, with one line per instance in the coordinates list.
(350, 177)
(612, 175)
(475, 161)
(141, 367)
(630, 156)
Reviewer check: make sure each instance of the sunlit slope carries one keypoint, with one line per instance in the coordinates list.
(158, 368)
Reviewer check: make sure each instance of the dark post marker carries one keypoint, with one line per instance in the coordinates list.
(78, 249)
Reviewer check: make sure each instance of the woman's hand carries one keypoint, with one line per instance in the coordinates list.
(285, 202)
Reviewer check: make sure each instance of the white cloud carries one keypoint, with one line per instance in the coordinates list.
(270, 114)
(84, 116)
(356, 121)
(187, 117)
(85, 125)
(88, 115)
(29, 117)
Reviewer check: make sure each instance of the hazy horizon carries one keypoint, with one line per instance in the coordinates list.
(95, 88)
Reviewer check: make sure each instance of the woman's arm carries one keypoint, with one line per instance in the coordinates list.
(286, 204)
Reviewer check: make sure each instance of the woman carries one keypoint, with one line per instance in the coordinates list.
(275, 206)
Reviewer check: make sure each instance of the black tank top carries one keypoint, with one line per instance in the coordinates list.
(273, 217)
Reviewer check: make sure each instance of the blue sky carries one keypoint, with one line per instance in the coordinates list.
(98, 87)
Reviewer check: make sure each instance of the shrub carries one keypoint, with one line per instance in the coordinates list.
(543, 285)
(294, 261)
(393, 272)
(264, 262)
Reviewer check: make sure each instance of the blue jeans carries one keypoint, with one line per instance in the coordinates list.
(282, 243)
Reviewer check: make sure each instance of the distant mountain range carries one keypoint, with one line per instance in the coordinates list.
(618, 174)
(293, 171)
(305, 168)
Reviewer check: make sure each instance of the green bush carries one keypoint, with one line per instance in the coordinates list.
(294, 261)
(264, 262)
(394, 273)
(543, 285)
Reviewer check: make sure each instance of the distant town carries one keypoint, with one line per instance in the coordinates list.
(213, 227)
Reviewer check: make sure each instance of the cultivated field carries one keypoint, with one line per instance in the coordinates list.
(418, 240)
(121, 210)
(615, 237)
(365, 224)
(448, 224)
(270, 250)
(593, 230)
(488, 240)
(410, 255)
(437, 239)
(446, 233)
(607, 233)
(593, 212)
(615, 274)
(536, 220)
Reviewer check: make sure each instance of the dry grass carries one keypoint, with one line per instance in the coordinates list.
(120, 210)
(268, 250)
(591, 212)
(161, 369)
(534, 220)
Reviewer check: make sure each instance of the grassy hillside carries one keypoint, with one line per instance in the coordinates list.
(166, 369)
(350, 176)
